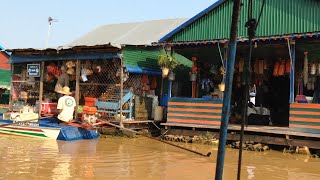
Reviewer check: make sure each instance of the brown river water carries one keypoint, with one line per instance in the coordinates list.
(140, 158)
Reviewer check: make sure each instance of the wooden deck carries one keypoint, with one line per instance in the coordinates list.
(250, 128)
(271, 135)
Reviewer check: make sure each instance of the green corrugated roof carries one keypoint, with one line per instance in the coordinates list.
(147, 57)
(5, 79)
(279, 17)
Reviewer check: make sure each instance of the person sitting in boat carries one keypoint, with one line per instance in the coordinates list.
(66, 105)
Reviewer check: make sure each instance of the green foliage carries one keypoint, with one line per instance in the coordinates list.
(165, 60)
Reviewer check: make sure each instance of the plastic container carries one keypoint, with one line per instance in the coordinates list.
(158, 113)
(48, 108)
(89, 101)
(89, 110)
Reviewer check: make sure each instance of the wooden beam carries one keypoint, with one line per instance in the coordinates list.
(11, 88)
(77, 94)
(41, 88)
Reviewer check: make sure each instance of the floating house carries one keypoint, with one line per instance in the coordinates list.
(285, 81)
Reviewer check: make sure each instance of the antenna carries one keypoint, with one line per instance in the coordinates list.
(50, 21)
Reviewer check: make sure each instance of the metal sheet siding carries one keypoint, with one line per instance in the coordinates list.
(278, 18)
(141, 57)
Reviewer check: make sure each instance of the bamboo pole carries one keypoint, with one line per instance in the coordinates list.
(120, 127)
(228, 89)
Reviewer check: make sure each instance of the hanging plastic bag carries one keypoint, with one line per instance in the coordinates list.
(84, 75)
(313, 69)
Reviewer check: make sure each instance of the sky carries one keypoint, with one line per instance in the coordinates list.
(24, 23)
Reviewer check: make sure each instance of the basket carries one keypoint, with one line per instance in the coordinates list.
(89, 101)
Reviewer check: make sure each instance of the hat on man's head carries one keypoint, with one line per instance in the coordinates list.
(65, 90)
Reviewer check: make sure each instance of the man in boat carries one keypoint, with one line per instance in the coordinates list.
(66, 105)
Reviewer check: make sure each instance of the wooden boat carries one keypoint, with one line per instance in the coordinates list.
(47, 128)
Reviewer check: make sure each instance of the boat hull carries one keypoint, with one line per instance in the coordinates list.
(45, 128)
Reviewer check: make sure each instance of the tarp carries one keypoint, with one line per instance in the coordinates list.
(5, 77)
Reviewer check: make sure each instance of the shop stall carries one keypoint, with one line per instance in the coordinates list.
(278, 63)
(101, 87)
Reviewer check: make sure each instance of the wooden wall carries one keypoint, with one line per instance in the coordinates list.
(194, 111)
(305, 117)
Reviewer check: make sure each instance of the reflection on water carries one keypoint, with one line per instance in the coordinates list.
(141, 158)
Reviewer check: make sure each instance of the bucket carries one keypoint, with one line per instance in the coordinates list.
(158, 113)
(165, 72)
(89, 101)
(193, 77)
(221, 87)
(171, 76)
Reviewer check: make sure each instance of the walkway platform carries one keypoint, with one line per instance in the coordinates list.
(262, 134)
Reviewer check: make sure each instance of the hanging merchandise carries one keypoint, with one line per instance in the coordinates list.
(265, 65)
(241, 64)
(261, 66)
(313, 82)
(144, 79)
(288, 66)
(276, 69)
(313, 69)
(309, 84)
(84, 75)
(281, 68)
(305, 68)
(154, 82)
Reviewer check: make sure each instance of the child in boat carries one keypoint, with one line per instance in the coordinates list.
(66, 105)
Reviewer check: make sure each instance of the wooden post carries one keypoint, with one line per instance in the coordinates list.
(41, 88)
(11, 88)
(121, 88)
(77, 95)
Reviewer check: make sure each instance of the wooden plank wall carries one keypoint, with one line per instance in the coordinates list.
(194, 111)
(305, 117)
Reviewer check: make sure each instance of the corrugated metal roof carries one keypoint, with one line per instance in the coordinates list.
(3, 49)
(278, 18)
(138, 33)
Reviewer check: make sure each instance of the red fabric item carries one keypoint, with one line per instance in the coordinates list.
(276, 69)
(281, 68)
